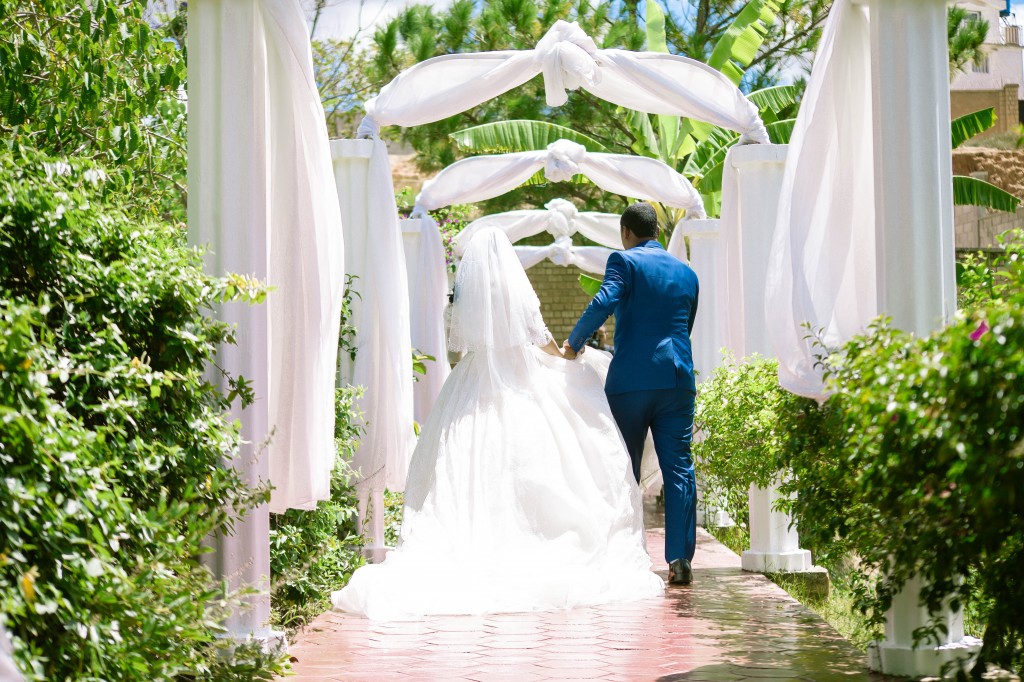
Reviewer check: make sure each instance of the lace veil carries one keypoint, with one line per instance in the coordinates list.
(495, 306)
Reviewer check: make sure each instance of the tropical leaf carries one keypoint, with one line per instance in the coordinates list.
(779, 132)
(738, 46)
(966, 127)
(668, 126)
(504, 137)
(639, 123)
(709, 152)
(590, 285)
(969, 191)
(775, 98)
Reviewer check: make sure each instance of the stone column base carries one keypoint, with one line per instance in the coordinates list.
(893, 659)
(795, 561)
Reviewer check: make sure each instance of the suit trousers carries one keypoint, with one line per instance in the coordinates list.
(668, 414)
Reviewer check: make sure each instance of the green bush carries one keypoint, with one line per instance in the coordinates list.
(313, 553)
(914, 466)
(112, 442)
(739, 440)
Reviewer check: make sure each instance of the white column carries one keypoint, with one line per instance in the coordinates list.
(916, 267)
(228, 214)
(708, 338)
(913, 163)
(774, 543)
(751, 186)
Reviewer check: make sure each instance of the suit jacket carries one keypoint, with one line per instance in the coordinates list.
(654, 297)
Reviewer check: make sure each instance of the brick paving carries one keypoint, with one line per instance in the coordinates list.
(728, 626)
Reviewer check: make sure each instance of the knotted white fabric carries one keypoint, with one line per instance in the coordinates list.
(823, 260)
(592, 259)
(483, 177)
(561, 219)
(569, 59)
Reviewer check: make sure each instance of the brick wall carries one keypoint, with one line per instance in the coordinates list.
(562, 301)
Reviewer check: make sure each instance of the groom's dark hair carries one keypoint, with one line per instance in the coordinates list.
(641, 220)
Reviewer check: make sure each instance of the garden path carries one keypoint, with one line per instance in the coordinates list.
(728, 626)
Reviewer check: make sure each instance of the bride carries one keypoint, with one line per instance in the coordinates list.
(520, 495)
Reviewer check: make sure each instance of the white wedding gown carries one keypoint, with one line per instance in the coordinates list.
(519, 495)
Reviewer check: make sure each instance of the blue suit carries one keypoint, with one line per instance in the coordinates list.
(651, 385)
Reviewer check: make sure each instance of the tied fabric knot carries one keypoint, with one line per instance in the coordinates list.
(563, 160)
(368, 129)
(561, 252)
(568, 60)
(561, 218)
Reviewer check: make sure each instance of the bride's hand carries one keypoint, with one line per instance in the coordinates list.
(567, 352)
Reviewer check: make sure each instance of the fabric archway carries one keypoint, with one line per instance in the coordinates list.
(483, 177)
(652, 82)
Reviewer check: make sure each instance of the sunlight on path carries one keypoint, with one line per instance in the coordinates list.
(729, 626)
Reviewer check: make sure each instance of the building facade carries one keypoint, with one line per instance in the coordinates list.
(997, 80)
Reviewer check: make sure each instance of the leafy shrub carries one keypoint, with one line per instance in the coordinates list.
(112, 442)
(737, 418)
(98, 79)
(313, 553)
(914, 466)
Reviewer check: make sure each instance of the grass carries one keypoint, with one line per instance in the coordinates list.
(1010, 140)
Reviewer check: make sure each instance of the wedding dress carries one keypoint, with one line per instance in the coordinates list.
(519, 495)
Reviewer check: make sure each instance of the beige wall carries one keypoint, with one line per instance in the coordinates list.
(1004, 101)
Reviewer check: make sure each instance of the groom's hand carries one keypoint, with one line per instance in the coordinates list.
(567, 351)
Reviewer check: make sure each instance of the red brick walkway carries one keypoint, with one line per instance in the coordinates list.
(729, 625)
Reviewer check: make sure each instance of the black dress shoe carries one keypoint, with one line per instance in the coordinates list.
(680, 572)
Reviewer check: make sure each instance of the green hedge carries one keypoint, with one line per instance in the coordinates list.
(112, 442)
(914, 466)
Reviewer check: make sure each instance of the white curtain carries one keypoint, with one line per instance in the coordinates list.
(262, 201)
(561, 219)
(383, 364)
(569, 59)
(306, 267)
(482, 177)
(823, 261)
(428, 296)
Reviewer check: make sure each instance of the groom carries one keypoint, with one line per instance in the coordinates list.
(650, 382)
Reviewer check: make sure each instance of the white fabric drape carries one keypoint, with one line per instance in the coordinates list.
(561, 219)
(823, 260)
(306, 267)
(383, 364)
(482, 177)
(428, 296)
(569, 59)
(591, 259)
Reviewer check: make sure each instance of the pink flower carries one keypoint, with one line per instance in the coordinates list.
(980, 331)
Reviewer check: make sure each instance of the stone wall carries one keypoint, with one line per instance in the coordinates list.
(977, 227)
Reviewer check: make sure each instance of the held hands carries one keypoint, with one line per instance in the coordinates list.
(568, 353)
